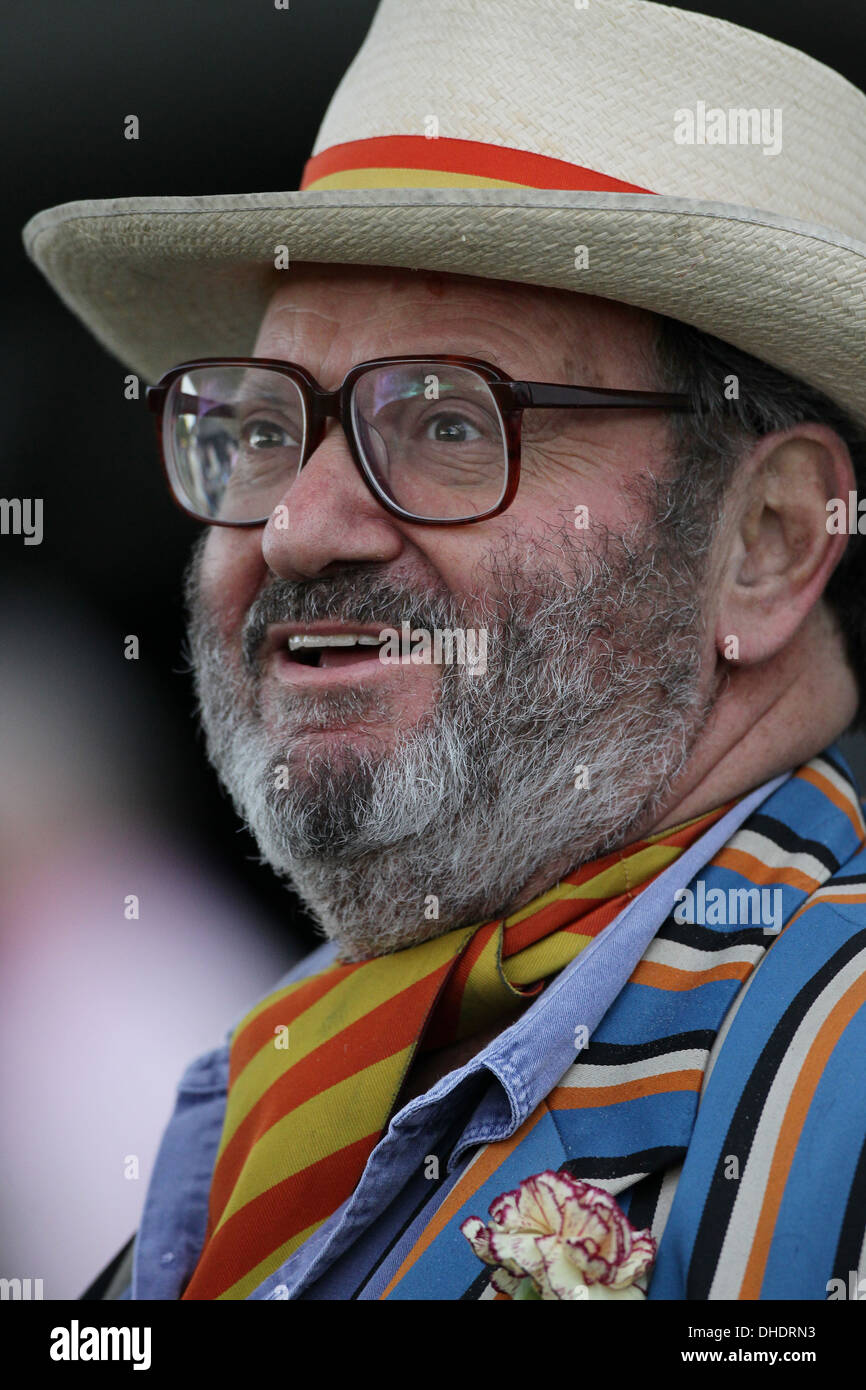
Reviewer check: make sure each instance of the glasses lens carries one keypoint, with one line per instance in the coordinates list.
(233, 439)
(432, 438)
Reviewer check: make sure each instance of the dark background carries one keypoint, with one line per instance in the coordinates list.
(230, 94)
(104, 786)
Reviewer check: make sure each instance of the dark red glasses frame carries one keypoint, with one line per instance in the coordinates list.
(512, 398)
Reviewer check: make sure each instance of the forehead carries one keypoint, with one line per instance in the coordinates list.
(332, 316)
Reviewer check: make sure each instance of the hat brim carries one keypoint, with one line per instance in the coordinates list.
(162, 280)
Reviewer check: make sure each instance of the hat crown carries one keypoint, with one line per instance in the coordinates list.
(630, 94)
(535, 141)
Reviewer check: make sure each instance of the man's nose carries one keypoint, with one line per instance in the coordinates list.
(328, 516)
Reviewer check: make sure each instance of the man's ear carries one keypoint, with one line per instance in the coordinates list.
(781, 546)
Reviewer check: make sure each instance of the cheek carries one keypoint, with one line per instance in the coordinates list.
(457, 560)
(556, 480)
(578, 507)
(582, 477)
(232, 574)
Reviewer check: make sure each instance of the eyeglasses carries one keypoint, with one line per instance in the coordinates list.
(436, 439)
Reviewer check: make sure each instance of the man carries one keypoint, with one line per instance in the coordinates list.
(522, 636)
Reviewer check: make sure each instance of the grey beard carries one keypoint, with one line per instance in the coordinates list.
(392, 844)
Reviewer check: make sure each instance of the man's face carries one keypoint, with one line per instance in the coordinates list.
(407, 799)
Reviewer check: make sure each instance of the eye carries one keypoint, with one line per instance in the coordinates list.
(267, 434)
(451, 429)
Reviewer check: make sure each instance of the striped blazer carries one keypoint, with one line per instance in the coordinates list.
(721, 1097)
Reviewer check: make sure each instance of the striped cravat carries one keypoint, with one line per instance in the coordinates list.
(316, 1067)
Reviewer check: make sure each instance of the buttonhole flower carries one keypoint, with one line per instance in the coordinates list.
(558, 1237)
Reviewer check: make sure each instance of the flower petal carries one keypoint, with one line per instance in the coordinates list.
(478, 1236)
(503, 1282)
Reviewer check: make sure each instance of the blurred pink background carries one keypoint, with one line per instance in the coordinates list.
(99, 1015)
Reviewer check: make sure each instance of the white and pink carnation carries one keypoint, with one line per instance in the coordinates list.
(558, 1237)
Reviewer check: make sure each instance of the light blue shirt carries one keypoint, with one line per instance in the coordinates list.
(356, 1251)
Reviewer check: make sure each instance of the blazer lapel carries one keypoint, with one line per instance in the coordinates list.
(627, 1109)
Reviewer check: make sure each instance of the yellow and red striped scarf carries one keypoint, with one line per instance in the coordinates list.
(315, 1068)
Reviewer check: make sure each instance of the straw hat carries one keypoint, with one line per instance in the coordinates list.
(614, 147)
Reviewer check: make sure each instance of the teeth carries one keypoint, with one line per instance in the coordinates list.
(304, 641)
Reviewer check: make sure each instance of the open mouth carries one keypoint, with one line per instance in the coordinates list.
(332, 650)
